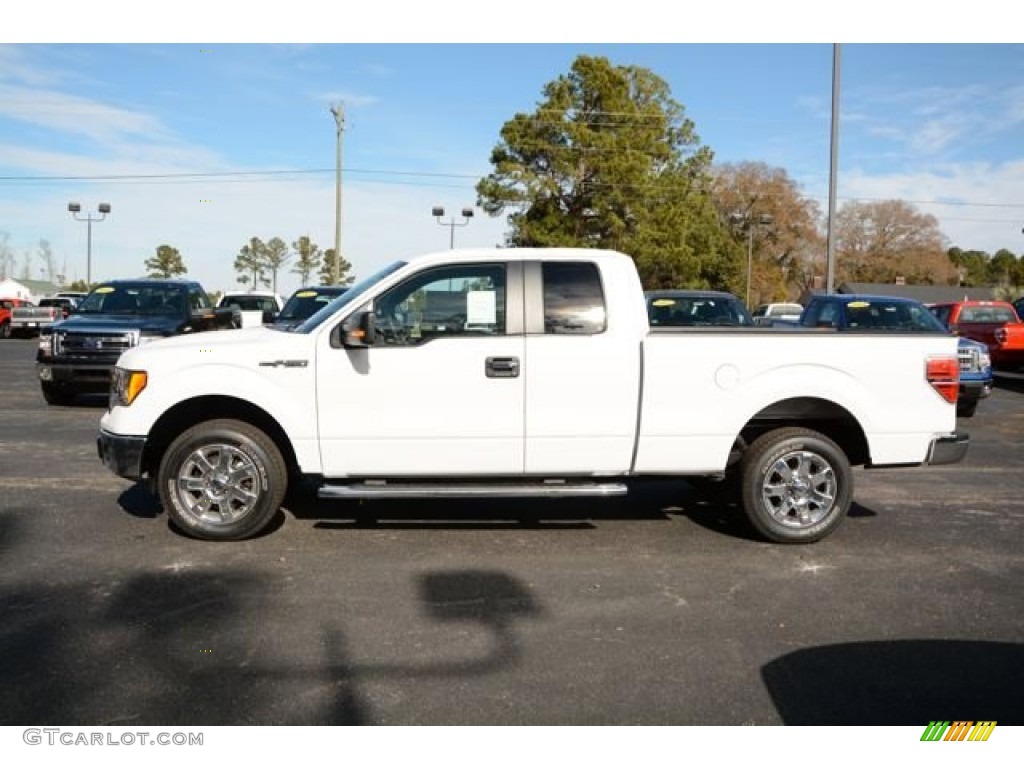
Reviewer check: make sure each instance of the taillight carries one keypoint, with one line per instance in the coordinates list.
(943, 373)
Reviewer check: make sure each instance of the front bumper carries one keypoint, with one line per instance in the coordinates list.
(79, 376)
(975, 389)
(121, 454)
(949, 449)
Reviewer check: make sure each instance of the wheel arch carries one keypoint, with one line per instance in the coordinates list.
(822, 415)
(195, 410)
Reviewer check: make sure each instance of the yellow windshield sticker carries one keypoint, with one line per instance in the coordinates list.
(663, 302)
(858, 304)
(306, 294)
(105, 289)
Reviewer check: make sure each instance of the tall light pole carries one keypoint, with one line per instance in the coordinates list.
(438, 211)
(749, 221)
(833, 169)
(103, 209)
(339, 120)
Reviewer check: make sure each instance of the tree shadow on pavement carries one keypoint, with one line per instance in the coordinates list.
(185, 646)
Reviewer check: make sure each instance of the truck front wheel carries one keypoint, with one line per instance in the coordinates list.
(222, 480)
(797, 485)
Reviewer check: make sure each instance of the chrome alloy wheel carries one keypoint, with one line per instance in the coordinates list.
(218, 483)
(799, 489)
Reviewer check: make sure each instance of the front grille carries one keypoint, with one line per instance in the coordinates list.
(93, 344)
(968, 359)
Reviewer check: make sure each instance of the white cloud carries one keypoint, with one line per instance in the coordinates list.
(981, 208)
(350, 98)
(935, 136)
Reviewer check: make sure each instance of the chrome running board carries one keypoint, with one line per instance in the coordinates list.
(380, 489)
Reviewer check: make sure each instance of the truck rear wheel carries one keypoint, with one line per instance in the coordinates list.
(222, 480)
(5, 330)
(797, 485)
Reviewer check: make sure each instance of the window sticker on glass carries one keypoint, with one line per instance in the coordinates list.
(481, 308)
(664, 302)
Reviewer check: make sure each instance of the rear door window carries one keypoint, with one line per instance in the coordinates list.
(574, 300)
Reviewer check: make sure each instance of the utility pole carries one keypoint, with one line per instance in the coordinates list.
(339, 119)
(833, 171)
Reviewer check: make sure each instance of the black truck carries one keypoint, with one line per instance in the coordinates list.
(77, 355)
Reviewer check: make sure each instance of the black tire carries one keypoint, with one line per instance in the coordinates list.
(5, 330)
(966, 408)
(796, 485)
(54, 394)
(222, 480)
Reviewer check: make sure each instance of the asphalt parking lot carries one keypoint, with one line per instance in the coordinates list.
(661, 608)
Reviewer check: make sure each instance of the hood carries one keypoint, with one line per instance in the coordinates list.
(247, 347)
(146, 324)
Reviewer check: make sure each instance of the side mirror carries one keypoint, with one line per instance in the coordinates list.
(269, 316)
(358, 330)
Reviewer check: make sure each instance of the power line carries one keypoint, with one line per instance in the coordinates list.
(410, 179)
(229, 174)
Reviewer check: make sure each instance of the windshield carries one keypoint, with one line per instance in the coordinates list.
(987, 314)
(886, 315)
(136, 299)
(250, 303)
(669, 311)
(307, 302)
(353, 292)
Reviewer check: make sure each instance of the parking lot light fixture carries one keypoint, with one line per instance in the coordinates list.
(438, 213)
(75, 209)
(747, 221)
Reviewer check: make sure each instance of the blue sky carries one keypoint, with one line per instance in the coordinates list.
(937, 125)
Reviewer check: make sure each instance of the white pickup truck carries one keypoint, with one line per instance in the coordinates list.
(520, 373)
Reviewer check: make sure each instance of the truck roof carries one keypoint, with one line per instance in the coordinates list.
(518, 254)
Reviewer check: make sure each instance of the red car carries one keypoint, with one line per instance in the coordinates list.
(993, 323)
(6, 305)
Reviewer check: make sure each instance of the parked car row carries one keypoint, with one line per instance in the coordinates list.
(20, 317)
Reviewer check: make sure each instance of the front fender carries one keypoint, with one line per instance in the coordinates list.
(286, 394)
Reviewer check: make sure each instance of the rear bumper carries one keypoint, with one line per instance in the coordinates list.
(121, 454)
(949, 449)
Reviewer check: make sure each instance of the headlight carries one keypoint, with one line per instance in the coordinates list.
(126, 385)
(46, 344)
(985, 359)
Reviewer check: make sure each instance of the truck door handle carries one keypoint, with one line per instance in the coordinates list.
(501, 367)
